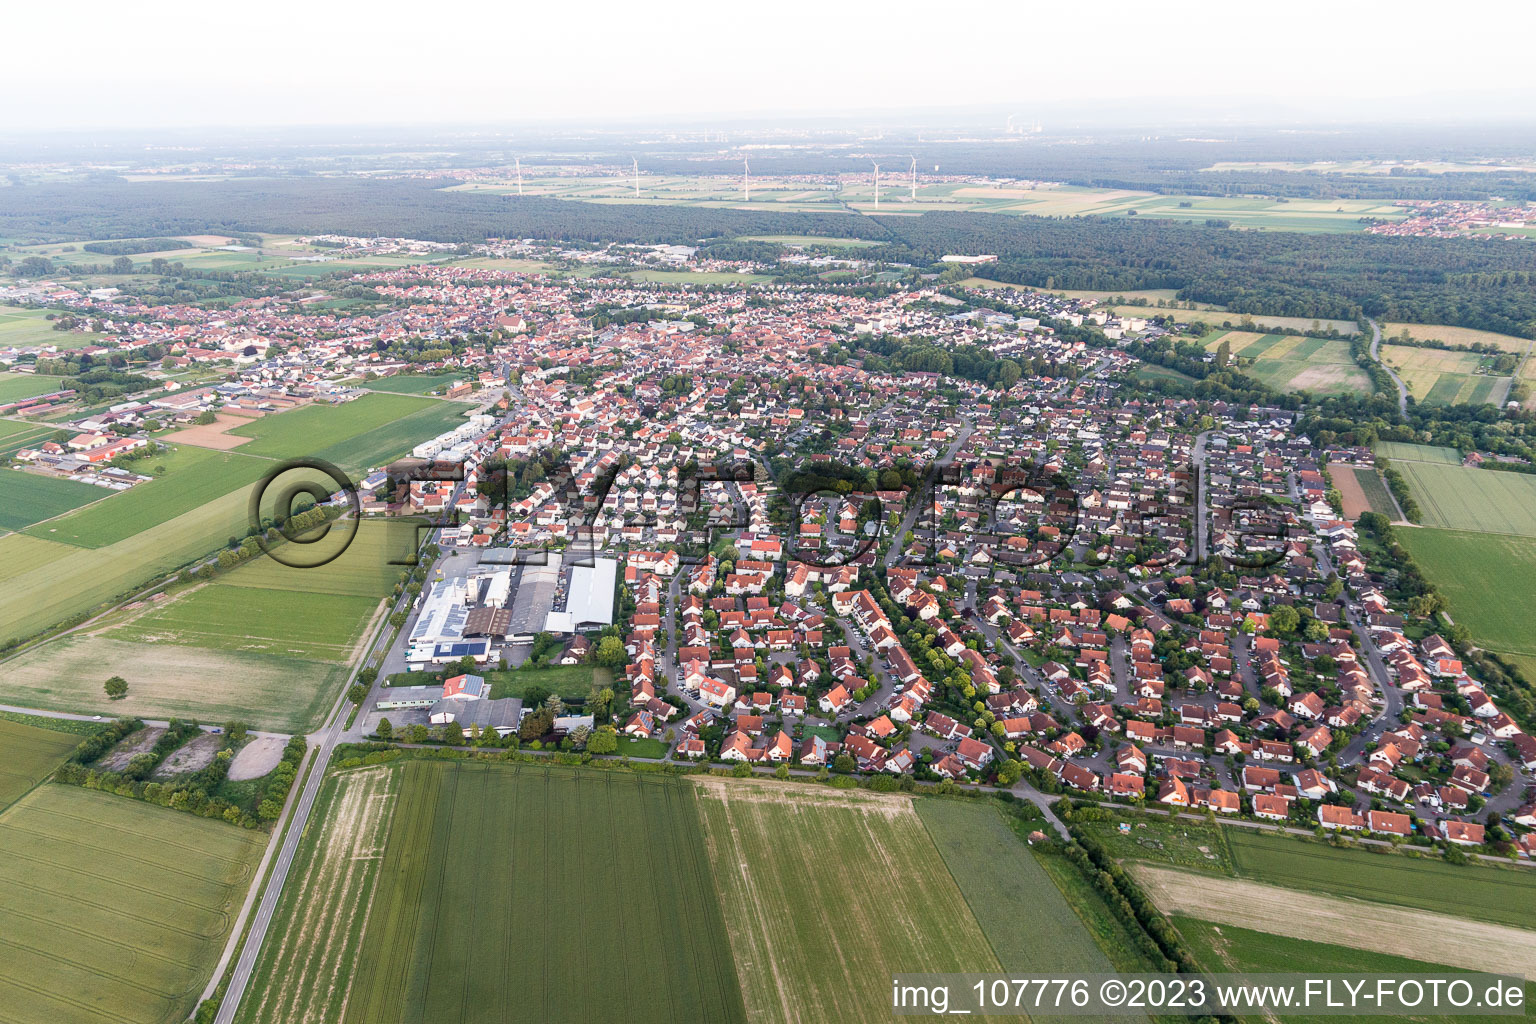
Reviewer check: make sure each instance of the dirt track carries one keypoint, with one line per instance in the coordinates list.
(1415, 934)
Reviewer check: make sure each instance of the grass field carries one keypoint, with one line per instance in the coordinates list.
(16, 435)
(412, 383)
(566, 680)
(829, 892)
(1227, 948)
(30, 756)
(1489, 580)
(16, 386)
(115, 910)
(193, 477)
(27, 498)
(1442, 377)
(1504, 896)
(1294, 363)
(452, 891)
(1476, 500)
(27, 327)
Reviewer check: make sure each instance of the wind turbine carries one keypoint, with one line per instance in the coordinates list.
(519, 161)
(914, 179)
(746, 182)
(637, 177)
(877, 186)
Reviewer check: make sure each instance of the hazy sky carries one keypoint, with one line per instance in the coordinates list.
(95, 64)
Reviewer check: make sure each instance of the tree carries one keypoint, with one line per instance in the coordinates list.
(116, 687)
(1284, 620)
(604, 740)
(610, 652)
(385, 731)
(844, 763)
(357, 693)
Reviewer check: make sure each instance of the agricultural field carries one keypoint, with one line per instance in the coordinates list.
(25, 327)
(1499, 895)
(227, 616)
(272, 692)
(1294, 362)
(193, 477)
(1222, 319)
(1402, 451)
(31, 754)
(800, 871)
(1467, 942)
(1489, 580)
(1228, 948)
(426, 913)
(16, 435)
(1454, 335)
(1475, 500)
(1003, 884)
(116, 910)
(16, 386)
(263, 642)
(857, 192)
(369, 431)
(1442, 377)
(28, 498)
(1362, 490)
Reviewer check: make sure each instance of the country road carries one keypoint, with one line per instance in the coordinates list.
(1402, 389)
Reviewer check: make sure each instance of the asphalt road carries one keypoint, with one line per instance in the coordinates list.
(1402, 389)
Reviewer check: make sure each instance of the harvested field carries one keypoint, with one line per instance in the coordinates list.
(1396, 930)
(799, 870)
(193, 755)
(212, 435)
(139, 742)
(314, 957)
(258, 757)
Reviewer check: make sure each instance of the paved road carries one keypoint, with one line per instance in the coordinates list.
(1202, 509)
(70, 716)
(321, 745)
(1402, 389)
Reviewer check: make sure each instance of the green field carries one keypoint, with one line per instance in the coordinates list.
(1004, 886)
(1375, 490)
(1489, 580)
(1476, 500)
(225, 616)
(27, 498)
(24, 327)
(31, 755)
(115, 910)
(412, 383)
(829, 892)
(193, 477)
(566, 680)
(1401, 451)
(500, 892)
(1227, 948)
(16, 386)
(1446, 377)
(1496, 895)
(356, 435)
